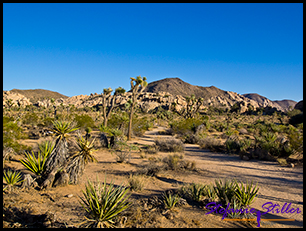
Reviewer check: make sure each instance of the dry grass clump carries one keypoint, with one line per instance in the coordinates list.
(170, 145)
(136, 182)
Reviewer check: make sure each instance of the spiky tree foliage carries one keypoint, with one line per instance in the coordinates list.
(58, 157)
(192, 107)
(78, 161)
(138, 85)
(108, 101)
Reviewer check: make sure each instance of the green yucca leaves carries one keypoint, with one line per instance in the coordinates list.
(62, 128)
(35, 165)
(11, 177)
(46, 148)
(246, 194)
(170, 200)
(104, 203)
(86, 150)
(225, 191)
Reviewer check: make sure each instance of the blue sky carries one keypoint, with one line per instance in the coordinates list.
(79, 49)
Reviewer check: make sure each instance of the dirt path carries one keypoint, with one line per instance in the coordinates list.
(278, 185)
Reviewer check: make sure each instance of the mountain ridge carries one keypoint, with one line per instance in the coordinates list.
(212, 95)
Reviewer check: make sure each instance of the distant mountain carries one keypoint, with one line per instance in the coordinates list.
(213, 95)
(39, 94)
(176, 86)
(285, 104)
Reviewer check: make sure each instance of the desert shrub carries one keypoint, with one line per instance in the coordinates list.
(11, 134)
(48, 122)
(136, 182)
(119, 121)
(84, 121)
(169, 145)
(185, 126)
(123, 151)
(151, 149)
(30, 118)
(163, 114)
(210, 143)
(151, 169)
(232, 144)
(172, 161)
(141, 125)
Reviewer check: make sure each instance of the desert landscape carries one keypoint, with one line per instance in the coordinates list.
(160, 153)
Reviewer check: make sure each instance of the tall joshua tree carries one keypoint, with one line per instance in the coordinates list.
(59, 156)
(108, 102)
(137, 87)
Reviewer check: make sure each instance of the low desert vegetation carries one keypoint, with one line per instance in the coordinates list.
(71, 136)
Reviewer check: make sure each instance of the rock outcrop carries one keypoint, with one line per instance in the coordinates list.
(165, 93)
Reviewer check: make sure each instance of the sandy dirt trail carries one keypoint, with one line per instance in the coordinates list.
(278, 185)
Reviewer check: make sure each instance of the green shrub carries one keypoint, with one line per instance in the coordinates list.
(84, 121)
(141, 125)
(11, 134)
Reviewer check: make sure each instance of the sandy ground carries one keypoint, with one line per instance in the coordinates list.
(278, 185)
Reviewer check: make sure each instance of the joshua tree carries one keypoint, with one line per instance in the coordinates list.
(108, 101)
(59, 155)
(192, 106)
(135, 85)
(78, 161)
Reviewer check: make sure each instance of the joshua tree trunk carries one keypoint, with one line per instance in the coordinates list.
(56, 161)
(129, 135)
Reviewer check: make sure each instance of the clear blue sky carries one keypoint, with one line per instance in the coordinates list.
(82, 48)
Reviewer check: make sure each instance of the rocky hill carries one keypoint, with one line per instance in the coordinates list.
(263, 101)
(39, 94)
(163, 92)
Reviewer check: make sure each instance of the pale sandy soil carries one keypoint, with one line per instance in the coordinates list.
(277, 184)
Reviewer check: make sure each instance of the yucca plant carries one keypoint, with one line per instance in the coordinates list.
(11, 178)
(46, 148)
(78, 161)
(59, 156)
(33, 163)
(246, 194)
(103, 203)
(170, 200)
(225, 191)
(194, 191)
(209, 192)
